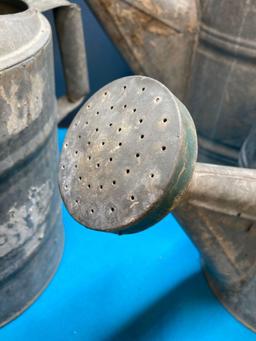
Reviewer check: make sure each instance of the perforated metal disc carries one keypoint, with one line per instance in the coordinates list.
(123, 156)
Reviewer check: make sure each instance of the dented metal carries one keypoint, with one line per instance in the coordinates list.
(129, 158)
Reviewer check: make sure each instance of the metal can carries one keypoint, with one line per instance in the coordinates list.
(31, 230)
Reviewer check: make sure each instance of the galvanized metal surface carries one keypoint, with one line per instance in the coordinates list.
(31, 231)
(204, 52)
(223, 80)
(47, 5)
(123, 153)
(157, 37)
(214, 204)
(69, 27)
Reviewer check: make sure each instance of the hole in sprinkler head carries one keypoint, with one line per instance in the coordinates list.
(110, 124)
(63, 167)
(102, 143)
(157, 99)
(77, 201)
(124, 87)
(89, 157)
(98, 165)
(114, 182)
(152, 175)
(86, 122)
(76, 166)
(97, 129)
(134, 110)
(79, 136)
(127, 171)
(76, 152)
(142, 136)
(89, 186)
(112, 107)
(125, 106)
(141, 120)
(143, 89)
(165, 120)
(112, 209)
(97, 113)
(92, 211)
(105, 93)
(110, 159)
(80, 178)
(88, 142)
(119, 129)
(132, 197)
(137, 155)
(101, 186)
(163, 148)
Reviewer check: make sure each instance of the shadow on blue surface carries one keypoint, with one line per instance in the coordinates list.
(189, 296)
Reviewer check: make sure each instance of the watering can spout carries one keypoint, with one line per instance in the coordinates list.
(229, 190)
(163, 127)
(129, 158)
(175, 175)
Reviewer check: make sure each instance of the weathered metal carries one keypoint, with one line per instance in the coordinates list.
(129, 157)
(69, 28)
(157, 37)
(221, 98)
(31, 231)
(203, 52)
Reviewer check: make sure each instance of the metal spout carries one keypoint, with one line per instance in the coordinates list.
(228, 190)
(129, 158)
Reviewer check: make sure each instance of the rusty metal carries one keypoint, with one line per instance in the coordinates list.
(157, 37)
(31, 231)
(204, 53)
(129, 158)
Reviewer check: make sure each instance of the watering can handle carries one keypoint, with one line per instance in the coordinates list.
(69, 27)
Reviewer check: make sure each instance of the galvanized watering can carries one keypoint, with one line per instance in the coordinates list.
(31, 231)
(129, 158)
(204, 52)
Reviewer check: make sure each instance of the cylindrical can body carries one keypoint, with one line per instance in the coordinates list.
(222, 91)
(31, 231)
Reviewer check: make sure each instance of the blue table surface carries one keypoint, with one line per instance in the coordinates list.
(146, 286)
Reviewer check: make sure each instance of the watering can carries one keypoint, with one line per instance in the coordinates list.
(204, 52)
(129, 158)
(31, 230)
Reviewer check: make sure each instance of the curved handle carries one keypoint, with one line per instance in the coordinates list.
(69, 27)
